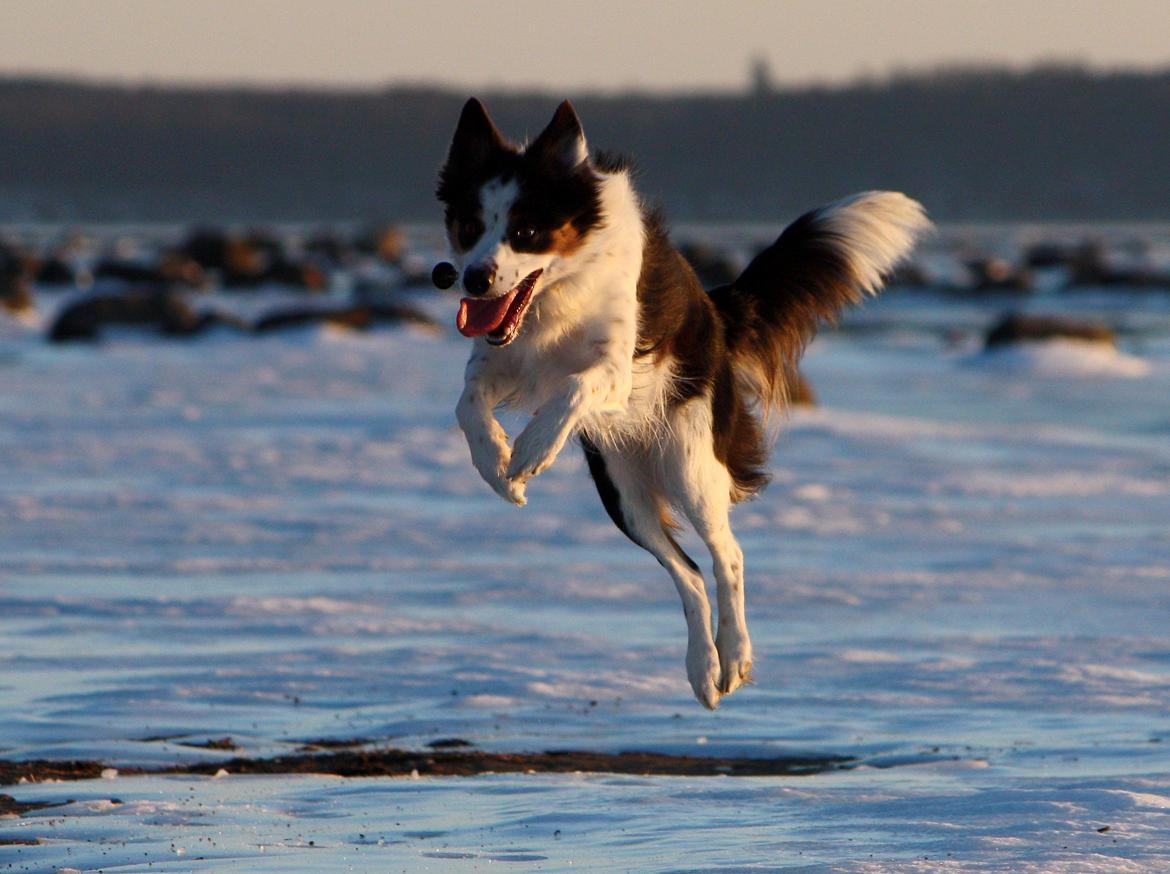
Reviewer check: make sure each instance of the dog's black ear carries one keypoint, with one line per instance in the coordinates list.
(476, 138)
(563, 140)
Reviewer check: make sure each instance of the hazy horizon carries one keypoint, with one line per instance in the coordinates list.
(546, 46)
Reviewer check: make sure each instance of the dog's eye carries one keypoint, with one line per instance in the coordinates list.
(523, 233)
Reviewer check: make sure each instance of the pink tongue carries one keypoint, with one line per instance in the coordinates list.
(482, 316)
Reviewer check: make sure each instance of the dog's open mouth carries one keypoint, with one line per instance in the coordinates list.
(499, 317)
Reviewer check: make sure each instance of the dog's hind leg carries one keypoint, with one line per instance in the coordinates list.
(700, 485)
(639, 510)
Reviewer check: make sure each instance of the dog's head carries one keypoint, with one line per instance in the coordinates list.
(515, 216)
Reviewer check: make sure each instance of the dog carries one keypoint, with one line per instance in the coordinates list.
(584, 315)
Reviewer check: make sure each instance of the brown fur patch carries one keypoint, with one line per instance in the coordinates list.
(566, 240)
(772, 310)
(679, 322)
(666, 519)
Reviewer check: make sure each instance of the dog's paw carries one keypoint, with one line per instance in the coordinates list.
(493, 469)
(510, 490)
(703, 673)
(535, 450)
(735, 661)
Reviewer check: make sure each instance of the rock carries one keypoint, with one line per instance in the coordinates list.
(15, 293)
(328, 248)
(358, 316)
(207, 247)
(388, 243)
(54, 271)
(173, 268)
(997, 274)
(909, 275)
(1025, 328)
(153, 306)
(249, 261)
(1048, 254)
(1091, 268)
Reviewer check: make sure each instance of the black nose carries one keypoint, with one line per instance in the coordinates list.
(477, 280)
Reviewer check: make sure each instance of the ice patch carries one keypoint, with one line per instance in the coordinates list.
(869, 657)
(1145, 799)
(1068, 484)
(488, 701)
(812, 492)
(284, 541)
(285, 606)
(1062, 359)
(1116, 673)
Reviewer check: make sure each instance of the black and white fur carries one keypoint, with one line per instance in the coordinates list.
(609, 337)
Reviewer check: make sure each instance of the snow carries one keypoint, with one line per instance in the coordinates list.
(1064, 358)
(942, 816)
(960, 576)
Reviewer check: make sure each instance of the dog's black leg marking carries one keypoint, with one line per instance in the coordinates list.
(611, 499)
(681, 554)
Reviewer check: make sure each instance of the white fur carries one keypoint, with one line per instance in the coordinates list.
(878, 229)
(698, 483)
(636, 474)
(496, 198)
(572, 366)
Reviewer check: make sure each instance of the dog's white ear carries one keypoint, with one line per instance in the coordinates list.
(476, 137)
(563, 140)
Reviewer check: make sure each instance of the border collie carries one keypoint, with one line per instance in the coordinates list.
(586, 316)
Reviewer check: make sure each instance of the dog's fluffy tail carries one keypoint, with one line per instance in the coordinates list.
(824, 261)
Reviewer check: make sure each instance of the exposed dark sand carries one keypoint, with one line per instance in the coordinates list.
(445, 763)
(39, 770)
(10, 806)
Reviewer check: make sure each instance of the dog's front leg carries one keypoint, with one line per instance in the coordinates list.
(482, 391)
(604, 387)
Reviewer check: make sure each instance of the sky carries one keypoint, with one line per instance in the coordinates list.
(684, 45)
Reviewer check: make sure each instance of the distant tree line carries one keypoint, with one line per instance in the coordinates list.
(1050, 143)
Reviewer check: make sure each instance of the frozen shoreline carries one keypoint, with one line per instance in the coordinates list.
(938, 817)
(281, 539)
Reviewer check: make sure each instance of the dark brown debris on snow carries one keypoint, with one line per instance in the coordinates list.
(448, 763)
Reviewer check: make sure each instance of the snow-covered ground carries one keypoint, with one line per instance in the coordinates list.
(960, 575)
